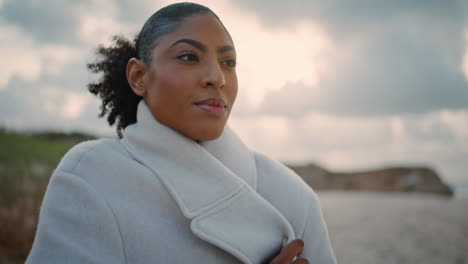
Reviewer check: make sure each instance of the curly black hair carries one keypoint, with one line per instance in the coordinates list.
(118, 99)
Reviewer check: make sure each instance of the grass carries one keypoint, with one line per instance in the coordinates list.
(26, 164)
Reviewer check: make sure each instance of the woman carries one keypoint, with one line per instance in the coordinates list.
(178, 186)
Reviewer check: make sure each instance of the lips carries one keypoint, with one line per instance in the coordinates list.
(214, 106)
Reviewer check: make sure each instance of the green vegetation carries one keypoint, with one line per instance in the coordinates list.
(26, 164)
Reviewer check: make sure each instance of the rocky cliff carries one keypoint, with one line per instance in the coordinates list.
(396, 179)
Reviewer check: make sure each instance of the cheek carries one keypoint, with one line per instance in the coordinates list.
(234, 88)
(171, 86)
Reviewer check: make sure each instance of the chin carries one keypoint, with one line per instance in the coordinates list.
(211, 135)
(207, 133)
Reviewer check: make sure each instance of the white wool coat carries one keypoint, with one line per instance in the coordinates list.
(156, 196)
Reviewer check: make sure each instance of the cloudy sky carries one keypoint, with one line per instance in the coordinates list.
(349, 85)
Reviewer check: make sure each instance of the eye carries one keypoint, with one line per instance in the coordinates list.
(188, 57)
(230, 63)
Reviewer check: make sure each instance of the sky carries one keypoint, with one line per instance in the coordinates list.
(348, 85)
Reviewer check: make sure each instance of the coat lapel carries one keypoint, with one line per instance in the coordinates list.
(214, 185)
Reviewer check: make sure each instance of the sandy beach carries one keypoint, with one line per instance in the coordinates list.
(385, 228)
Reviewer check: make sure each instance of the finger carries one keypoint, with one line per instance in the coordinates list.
(301, 261)
(291, 250)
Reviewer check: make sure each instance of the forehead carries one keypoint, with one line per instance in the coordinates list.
(206, 29)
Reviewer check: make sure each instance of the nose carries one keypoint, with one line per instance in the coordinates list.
(213, 76)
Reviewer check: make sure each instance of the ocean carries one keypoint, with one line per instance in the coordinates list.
(461, 190)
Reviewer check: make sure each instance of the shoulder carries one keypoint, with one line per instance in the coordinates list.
(91, 153)
(106, 166)
(76, 210)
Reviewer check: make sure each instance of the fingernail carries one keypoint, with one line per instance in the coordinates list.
(285, 241)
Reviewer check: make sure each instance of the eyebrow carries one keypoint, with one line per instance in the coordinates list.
(202, 47)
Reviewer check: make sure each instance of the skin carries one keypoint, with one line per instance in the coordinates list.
(289, 252)
(193, 64)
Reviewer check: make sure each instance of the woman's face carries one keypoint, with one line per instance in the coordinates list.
(191, 84)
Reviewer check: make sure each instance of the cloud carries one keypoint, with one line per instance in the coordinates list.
(393, 59)
(376, 78)
(437, 139)
(18, 56)
(26, 60)
(56, 99)
(465, 56)
(34, 106)
(344, 18)
(72, 23)
(100, 20)
(136, 12)
(349, 84)
(45, 21)
(30, 53)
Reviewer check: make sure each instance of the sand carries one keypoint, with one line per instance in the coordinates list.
(384, 228)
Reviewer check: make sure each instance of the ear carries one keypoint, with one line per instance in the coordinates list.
(136, 76)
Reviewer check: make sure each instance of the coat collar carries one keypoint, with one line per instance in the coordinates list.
(214, 185)
(188, 168)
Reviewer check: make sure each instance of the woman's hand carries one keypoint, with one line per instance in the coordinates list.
(289, 252)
